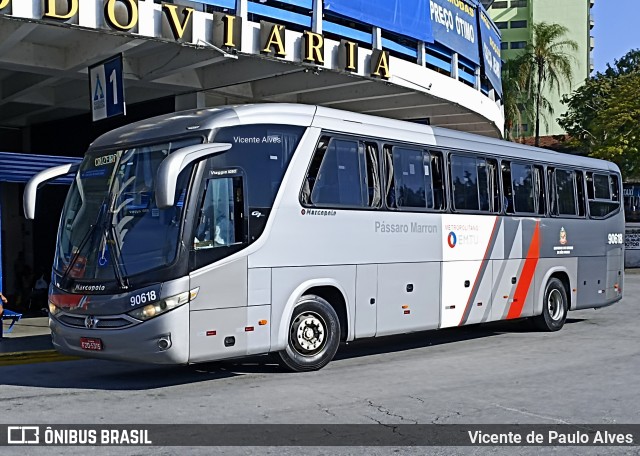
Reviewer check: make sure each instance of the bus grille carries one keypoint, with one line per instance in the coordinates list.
(110, 322)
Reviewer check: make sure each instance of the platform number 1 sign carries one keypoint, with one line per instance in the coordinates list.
(107, 89)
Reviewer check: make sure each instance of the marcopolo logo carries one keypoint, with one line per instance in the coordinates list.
(452, 239)
(320, 212)
(89, 287)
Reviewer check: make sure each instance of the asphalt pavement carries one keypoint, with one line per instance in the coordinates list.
(499, 373)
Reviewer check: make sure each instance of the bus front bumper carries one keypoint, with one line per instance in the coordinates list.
(143, 343)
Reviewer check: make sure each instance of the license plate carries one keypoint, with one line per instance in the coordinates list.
(90, 343)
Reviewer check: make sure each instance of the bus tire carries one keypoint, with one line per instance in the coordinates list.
(554, 307)
(313, 336)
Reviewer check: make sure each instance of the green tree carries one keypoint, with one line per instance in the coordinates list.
(603, 116)
(546, 64)
(516, 106)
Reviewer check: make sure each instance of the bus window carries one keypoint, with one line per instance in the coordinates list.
(564, 194)
(523, 188)
(539, 190)
(220, 221)
(437, 179)
(343, 173)
(603, 194)
(411, 184)
(580, 193)
(507, 187)
(475, 184)
(373, 193)
(464, 181)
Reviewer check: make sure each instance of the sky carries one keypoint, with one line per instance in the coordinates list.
(616, 30)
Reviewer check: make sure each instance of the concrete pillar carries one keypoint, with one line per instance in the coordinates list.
(377, 38)
(242, 9)
(189, 101)
(422, 54)
(454, 66)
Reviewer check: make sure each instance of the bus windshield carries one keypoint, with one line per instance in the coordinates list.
(110, 219)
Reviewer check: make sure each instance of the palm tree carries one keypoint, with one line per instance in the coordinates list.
(516, 105)
(547, 65)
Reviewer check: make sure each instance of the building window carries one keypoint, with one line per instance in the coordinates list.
(502, 25)
(518, 24)
(518, 44)
(504, 45)
(519, 4)
(499, 5)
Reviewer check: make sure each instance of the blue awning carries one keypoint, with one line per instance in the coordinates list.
(410, 18)
(19, 168)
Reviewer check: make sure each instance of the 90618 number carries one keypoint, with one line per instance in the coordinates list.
(143, 298)
(615, 238)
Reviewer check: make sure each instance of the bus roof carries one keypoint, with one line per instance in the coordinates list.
(203, 120)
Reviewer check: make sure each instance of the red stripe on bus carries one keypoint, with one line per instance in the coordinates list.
(522, 289)
(485, 260)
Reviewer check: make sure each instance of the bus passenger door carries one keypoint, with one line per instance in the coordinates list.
(366, 300)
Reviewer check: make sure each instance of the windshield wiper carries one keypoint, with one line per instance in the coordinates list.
(117, 259)
(83, 243)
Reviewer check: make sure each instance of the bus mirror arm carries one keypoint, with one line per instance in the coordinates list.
(31, 189)
(170, 168)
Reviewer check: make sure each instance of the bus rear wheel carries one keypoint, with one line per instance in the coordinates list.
(314, 335)
(554, 307)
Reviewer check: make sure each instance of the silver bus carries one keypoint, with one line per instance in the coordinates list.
(279, 228)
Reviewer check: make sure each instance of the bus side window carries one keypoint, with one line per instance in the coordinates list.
(412, 178)
(523, 188)
(343, 172)
(390, 185)
(580, 193)
(464, 183)
(437, 180)
(603, 194)
(539, 189)
(373, 192)
(551, 186)
(507, 187)
(494, 186)
(565, 183)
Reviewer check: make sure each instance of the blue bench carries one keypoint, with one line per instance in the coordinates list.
(9, 315)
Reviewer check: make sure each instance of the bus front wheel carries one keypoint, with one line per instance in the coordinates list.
(554, 307)
(314, 335)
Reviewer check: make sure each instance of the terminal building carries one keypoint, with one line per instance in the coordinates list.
(71, 70)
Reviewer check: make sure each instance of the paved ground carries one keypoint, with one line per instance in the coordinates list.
(501, 373)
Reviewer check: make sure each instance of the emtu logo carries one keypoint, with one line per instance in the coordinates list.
(452, 240)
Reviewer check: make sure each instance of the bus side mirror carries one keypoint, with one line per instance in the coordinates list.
(31, 189)
(171, 167)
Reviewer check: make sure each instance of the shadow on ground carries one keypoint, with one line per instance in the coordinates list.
(107, 375)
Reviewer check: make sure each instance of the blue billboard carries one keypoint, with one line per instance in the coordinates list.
(405, 17)
(491, 62)
(455, 25)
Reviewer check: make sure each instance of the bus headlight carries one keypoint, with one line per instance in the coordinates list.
(160, 307)
(53, 310)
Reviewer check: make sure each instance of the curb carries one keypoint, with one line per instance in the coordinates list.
(32, 357)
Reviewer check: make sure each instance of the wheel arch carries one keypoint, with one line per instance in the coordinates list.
(562, 274)
(327, 288)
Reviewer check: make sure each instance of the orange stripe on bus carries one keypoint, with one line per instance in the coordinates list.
(522, 289)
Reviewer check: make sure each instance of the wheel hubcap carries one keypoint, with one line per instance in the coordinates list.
(308, 333)
(555, 305)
